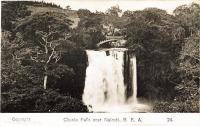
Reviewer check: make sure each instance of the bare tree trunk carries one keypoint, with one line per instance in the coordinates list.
(45, 78)
(49, 49)
(45, 82)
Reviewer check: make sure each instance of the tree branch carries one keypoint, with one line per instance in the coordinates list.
(41, 43)
(58, 57)
(33, 58)
(15, 57)
(52, 53)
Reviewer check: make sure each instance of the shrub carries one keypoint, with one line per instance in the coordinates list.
(38, 100)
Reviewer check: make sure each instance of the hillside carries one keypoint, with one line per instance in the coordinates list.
(72, 14)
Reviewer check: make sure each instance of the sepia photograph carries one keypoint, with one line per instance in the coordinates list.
(100, 56)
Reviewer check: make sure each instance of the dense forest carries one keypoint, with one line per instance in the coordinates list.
(43, 61)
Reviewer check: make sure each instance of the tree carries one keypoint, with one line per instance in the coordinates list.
(89, 30)
(127, 13)
(186, 33)
(25, 63)
(189, 18)
(112, 19)
(187, 90)
(68, 7)
(47, 36)
(114, 10)
(189, 67)
(149, 34)
(83, 13)
(11, 13)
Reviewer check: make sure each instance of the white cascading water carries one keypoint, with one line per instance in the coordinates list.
(104, 78)
(105, 90)
(134, 78)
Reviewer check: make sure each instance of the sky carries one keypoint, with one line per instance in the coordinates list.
(132, 5)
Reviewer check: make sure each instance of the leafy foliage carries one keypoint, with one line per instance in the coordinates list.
(114, 10)
(83, 13)
(113, 21)
(32, 49)
(11, 12)
(187, 90)
(176, 106)
(189, 18)
(89, 30)
(48, 41)
(149, 35)
(37, 99)
(42, 45)
(34, 3)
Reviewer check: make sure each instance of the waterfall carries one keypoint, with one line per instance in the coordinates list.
(106, 83)
(134, 80)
